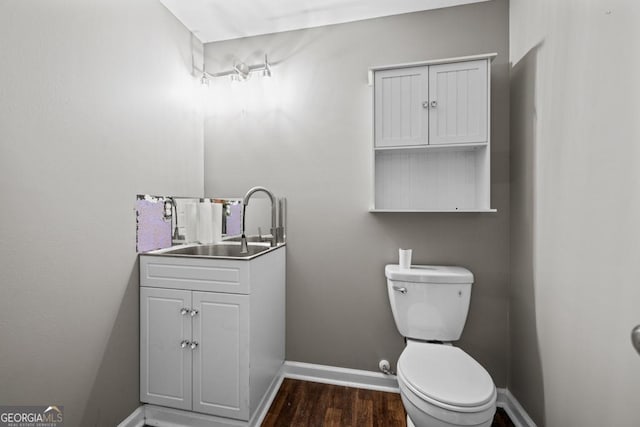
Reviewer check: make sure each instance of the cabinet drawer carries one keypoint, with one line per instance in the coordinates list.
(210, 275)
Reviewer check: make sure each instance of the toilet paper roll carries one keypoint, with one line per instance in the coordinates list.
(216, 222)
(205, 226)
(404, 256)
(190, 222)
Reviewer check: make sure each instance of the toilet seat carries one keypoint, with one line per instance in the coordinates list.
(446, 376)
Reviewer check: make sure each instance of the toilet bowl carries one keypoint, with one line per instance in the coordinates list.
(440, 385)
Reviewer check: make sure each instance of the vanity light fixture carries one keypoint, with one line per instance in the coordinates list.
(204, 80)
(240, 71)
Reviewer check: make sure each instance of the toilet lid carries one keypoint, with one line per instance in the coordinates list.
(446, 374)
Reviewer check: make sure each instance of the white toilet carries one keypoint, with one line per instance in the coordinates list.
(440, 385)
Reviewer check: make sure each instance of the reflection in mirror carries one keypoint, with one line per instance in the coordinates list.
(153, 222)
(206, 220)
(162, 221)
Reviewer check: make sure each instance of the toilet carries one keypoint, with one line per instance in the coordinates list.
(440, 385)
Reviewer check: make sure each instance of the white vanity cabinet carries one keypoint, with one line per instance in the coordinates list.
(211, 332)
(432, 135)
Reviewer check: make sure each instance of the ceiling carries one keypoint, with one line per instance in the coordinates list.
(216, 20)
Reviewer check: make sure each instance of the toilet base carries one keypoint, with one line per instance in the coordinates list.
(411, 424)
(426, 420)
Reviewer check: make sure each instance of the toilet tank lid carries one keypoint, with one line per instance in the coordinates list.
(429, 274)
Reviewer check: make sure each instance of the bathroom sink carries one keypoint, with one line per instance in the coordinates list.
(216, 251)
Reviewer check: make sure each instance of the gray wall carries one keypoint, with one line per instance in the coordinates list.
(97, 103)
(525, 372)
(307, 134)
(575, 209)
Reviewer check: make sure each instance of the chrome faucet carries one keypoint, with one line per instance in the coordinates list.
(176, 237)
(244, 248)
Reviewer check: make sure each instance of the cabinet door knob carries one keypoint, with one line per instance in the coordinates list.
(193, 312)
(635, 338)
(194, 345)
(184, 344)
(184, 311)
(425, 104)
(434, 104)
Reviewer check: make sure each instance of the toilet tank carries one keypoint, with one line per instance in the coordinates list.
(429, 302)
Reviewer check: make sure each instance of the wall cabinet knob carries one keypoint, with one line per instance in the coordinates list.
(425, 104)
(184, 311)
(193, 312)
(434, 104)
(194, 345)
(635, 338)
(184, 344)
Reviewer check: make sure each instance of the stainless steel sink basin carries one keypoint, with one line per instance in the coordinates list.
(219, 250)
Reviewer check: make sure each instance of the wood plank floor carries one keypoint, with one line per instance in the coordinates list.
(304, 403)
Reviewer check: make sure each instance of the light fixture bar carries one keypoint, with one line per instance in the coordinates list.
(242, 71)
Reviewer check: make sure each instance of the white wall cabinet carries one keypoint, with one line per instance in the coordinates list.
(215, 347)
(431, 148)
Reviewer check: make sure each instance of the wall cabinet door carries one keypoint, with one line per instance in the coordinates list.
(221, 359)
(458, 100)
(165, 366)
(400, 117)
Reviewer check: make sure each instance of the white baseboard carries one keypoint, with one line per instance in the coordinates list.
(341, 376)
(159, 416)
(512, 407)
(267, 399)
(136, 419)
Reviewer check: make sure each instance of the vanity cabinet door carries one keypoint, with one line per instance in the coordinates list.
(221, 359)
(458, 102)
(165, 361)
(401, 119)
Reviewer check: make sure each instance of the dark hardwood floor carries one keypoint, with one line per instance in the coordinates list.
(304, 403)
(501, 419)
